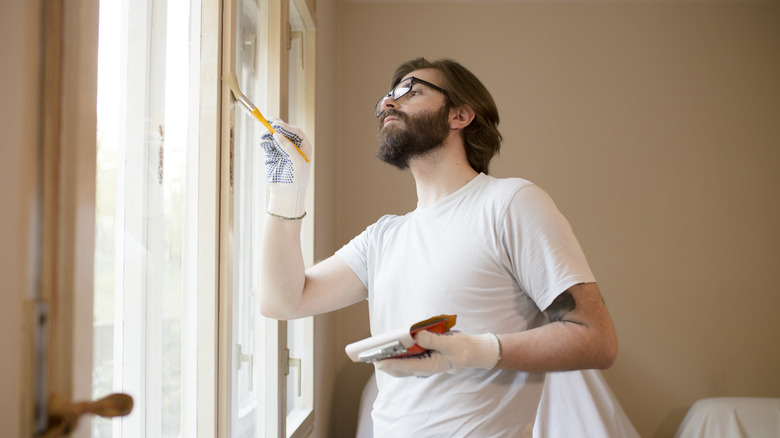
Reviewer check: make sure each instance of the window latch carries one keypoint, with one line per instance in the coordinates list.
(293, 362)
(248, 358)
(295, 35)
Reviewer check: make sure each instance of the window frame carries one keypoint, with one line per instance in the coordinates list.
(68, 219)
(276, 366)
(145, 98)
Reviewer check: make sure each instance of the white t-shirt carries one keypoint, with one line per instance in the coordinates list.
(494, 253)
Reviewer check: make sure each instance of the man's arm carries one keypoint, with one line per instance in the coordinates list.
(287, 290)
(580, 335)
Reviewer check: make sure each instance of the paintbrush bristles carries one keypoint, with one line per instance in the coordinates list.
(232, 82)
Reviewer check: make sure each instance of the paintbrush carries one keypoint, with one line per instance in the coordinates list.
(232, 82)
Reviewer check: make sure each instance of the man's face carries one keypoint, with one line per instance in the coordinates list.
(414, 124)
(411, 135)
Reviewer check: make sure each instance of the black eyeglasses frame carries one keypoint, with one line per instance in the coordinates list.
(412, 80)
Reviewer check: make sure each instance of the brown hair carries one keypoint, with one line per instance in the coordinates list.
(481, 137)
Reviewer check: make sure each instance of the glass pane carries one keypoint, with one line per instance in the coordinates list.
(146, 214)
(248, 383)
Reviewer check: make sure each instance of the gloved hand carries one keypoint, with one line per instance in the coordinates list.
(450, 352)
(287, 171)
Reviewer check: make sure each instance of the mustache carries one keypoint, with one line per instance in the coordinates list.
(391, 112)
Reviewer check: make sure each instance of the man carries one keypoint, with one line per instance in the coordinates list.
(493, 251)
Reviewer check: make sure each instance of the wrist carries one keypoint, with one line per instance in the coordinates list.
(285, 218)
(286, 200)
(484, 351)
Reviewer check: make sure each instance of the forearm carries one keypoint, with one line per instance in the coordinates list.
(558, 346)
(579, 335)
(281, 268)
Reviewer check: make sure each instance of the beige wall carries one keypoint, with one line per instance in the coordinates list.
(656, 128)
(653, 125)
(326, 349)
(18, 114)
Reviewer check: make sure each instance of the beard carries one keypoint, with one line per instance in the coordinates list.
(421, 134)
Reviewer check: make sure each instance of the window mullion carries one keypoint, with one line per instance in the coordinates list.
(276, 331)
(199, 362)
(155, 244)
(226, 403)
(140, 295)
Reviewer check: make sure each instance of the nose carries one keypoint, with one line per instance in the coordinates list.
(387, 102)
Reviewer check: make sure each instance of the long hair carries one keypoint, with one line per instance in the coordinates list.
(481, 137)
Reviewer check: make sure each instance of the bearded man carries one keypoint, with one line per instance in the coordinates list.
(494, 251)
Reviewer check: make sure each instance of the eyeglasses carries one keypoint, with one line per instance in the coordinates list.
(400, 91)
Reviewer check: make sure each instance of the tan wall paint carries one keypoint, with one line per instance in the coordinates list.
(19, 110)
(654, 126)
(324, 143)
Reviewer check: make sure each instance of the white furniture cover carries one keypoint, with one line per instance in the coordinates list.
(732, 417)
(580, 404)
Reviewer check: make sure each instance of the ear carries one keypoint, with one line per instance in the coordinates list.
(461, 116)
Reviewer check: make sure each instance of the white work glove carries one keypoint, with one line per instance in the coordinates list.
(450, 352)
(287, 171)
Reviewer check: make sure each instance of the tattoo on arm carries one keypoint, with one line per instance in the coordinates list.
(560, 307)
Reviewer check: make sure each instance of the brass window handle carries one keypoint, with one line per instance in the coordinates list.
(64, 415)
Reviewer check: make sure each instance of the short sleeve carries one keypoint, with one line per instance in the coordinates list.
(543, 253)
(355, 255)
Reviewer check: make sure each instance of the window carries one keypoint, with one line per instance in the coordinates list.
(148, 230)
(168, 174)
(270, 366)
(300, 333)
